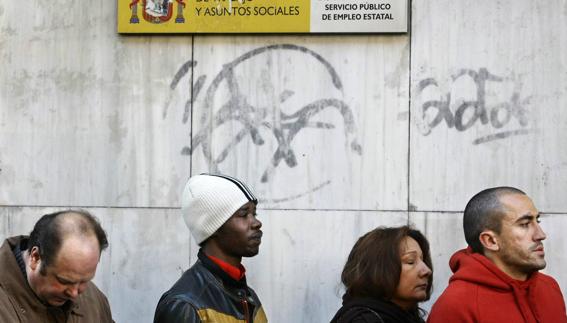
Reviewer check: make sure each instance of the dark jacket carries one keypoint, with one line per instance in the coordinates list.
(366, 310)
(205, 293)
(480, 292)
(18, 302)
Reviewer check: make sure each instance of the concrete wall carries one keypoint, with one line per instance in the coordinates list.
(336, 134)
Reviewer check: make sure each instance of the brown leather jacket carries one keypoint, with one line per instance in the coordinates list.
(18, 302)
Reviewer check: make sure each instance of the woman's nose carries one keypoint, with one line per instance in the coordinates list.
(425, 270)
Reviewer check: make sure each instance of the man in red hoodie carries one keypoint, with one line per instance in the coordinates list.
(497, 279)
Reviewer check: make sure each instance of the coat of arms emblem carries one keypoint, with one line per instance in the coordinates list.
(156, 11)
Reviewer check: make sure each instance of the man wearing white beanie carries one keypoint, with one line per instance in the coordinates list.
(220, 212)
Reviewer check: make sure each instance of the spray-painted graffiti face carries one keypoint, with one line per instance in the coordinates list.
(271, 108)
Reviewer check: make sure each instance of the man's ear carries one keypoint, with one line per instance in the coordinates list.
(35, 258)
(489, 240)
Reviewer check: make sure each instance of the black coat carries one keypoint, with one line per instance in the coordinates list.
(367, 310)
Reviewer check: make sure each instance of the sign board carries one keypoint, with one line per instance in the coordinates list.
(262, 16)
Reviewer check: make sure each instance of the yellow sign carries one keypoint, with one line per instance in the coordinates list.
(212, 16)
(261, 16)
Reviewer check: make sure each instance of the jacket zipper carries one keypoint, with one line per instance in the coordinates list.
(246, 312)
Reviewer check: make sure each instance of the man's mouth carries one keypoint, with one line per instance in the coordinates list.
(257, 236)
(58, 301)
(538, 250)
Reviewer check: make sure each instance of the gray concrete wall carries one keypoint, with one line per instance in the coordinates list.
(336, 134)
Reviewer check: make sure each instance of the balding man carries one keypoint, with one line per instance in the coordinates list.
(46, 277)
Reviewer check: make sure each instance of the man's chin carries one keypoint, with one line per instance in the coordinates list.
(537, 265)
(252, 253)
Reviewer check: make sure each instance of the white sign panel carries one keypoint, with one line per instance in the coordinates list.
(359, 16)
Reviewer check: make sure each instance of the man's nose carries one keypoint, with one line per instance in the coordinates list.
(73, 291)
(539, 235)
(256, 224)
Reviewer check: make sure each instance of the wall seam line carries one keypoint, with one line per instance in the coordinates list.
(409, 208)
(192, 103)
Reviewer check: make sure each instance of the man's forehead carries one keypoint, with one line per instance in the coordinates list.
(247, 206)
(74, 271)
(516, 206)
(64, 274)
(77, 251)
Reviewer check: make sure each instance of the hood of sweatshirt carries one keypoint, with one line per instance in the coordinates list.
(476, 268)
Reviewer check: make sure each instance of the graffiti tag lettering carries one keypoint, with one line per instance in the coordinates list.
(237, 108)
(469, 112)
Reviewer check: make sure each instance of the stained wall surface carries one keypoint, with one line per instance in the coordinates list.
(336, 134)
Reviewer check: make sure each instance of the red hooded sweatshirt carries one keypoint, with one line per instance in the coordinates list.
(480, 292)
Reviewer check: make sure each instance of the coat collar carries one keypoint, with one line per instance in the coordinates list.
(217, 270)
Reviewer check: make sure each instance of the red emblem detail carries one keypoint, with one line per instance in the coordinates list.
(157, 11)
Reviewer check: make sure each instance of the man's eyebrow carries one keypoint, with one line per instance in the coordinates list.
(246, 207)
(528, 217)
(64, 280)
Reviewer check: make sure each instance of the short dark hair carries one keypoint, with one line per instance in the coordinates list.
(373, 267)
(484, 212)
(47, 234)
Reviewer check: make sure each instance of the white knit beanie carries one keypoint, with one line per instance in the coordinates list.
(209, 200)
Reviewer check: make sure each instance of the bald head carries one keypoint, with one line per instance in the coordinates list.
(66, 229)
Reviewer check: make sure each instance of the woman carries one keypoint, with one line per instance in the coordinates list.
(388, 272)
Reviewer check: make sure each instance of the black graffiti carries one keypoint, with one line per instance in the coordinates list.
(502, 135)
(468, 113)
(284, 127)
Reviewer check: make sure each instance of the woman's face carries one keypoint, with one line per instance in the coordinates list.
(413, 276)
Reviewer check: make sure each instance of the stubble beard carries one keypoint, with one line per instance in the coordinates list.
(524, 261)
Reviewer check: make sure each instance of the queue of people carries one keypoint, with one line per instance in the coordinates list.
(46, 276)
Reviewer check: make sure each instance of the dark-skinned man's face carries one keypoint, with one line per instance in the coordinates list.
(241, 236)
